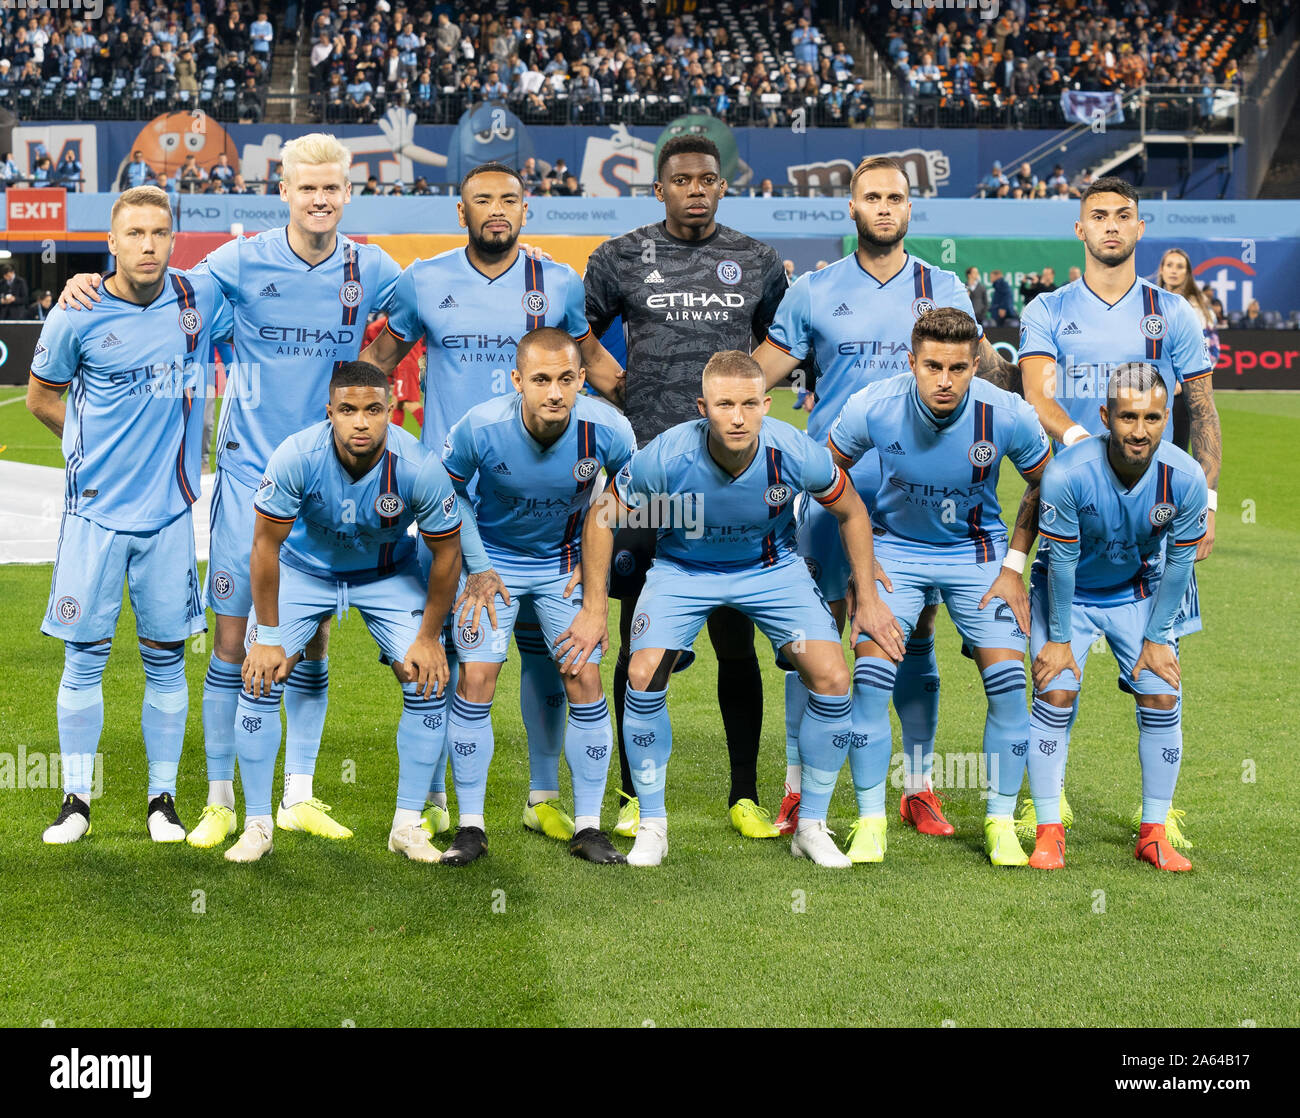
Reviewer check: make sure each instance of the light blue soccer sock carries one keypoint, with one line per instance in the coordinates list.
(306, 696)
(916, 700)
(1049, 734)
(649, 736)
(587, 744)
(1069, 729)
(421, 731)
(163, 715)
(81, 713)
(257, 745)
(796, 702)
(438, 781)
(1006, 733)
(825, 733)
(469, 731)
(542, 705)
(221, 687)
(873, 684)
(1160, 749)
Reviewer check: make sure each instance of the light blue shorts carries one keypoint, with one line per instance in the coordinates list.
(161, 578)
(536, 599)
(783, 602)
(1123, 626)
(228, 590)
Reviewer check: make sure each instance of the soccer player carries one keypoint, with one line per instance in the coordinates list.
(472, 306)
(536, 457)
(854, 319)
(1071, 339)
(333, 511)
(685, 288)
(301, 296)
(721, 492)
(132, 436)
(943, 435)
(1121, 517)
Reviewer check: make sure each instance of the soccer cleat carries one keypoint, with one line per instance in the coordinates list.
(252, 844)
(592, 845)
(435, 820)
(1000, 842)
(787, 819)
(651, 846)
(1027, 820)
(815, 843)
(311, 816)
(1173, 832)
(1153, 846)
(469, 845)
(548, 818)
(868, 839)
(1049, 847)
(413, 841)
(923, 811)
(752, 821)
(73, 822)
(1067, 812)
(163, 822)
(216, 824)
(629, 816)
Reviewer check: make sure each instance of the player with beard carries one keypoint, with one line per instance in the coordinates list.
(686, 288)
(854, 318)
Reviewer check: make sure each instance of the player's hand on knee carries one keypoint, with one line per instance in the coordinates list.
(80, 291)
(1160, 659)
(1054, 658)
(580, 640)
(426, 665)
(264, 665)
(1206, 545)
(1010, 587)
(480, 593)
(874, 619)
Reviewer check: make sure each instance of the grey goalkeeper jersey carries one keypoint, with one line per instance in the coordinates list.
(681, 302)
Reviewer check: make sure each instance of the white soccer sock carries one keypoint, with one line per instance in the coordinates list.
(405, 816)
(438, 799)
(792, 778)
(297, 788)
(583, 822)
(221, 793)
(541, 795)
(265, 820)
(471, 821)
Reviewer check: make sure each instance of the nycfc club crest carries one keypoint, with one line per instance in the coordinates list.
(640, 624)
(469, 637)
(464, 748)
(982, 453)
(1153, 327)
(728, 272)
(433, 721)
(222, 585)
(350, 293)
(536, 303)
(191, 320)
(67, 610)
(644, 741)
(624, 562)
(597, 752)
(920, 306)
(585, 469)
(1046, 746)
(1162, 514)
(251, 724)
(389, 504)
(777, 495)
(1019, 748)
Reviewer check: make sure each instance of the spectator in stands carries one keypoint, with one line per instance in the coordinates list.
(1175, 274)
(1034, 285)
(238, 186)
(154, 69)
(1253, 319)
(41, 307)
(9, 172)
(1220, 319)
(187, 76)
(531, 176)
(1075, 273)
(447, 36)
(68, 174)
(43, 171)
(1002, 303)
(765, 190)
(222, 171)
(361, 105)
(135, 173)
(261, 33)
(13, 294)
(1058, 178)
(842, 62)
(788, 265)
(995, 183)
(192, 176)
(211, 48)
(1024, 180)
(422, 187)
(397, 190)
(806, 41)
(979, 295)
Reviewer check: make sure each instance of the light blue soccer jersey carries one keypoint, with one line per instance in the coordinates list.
(710, 521)
(531, 499)
(472, 325)
(940, 480)
(294, 324)
(1115, 539)
(858, 329)
(137, 377)
(1088, 338)
(355, 530)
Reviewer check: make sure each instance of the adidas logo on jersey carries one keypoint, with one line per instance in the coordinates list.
(448, 304)
(109, 341)
(841, 311)
(500, 468)
(1088, 510)
(895, 448)
(1071, 327)
(654, 277)
(269, 291)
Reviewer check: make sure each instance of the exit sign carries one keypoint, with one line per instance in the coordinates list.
(36, 210)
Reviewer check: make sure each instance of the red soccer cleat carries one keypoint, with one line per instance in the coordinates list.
(787, 819)
(1153, 847)
(924, 812)
(1049, 847)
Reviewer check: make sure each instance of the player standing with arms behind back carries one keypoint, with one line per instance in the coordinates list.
(686, 288)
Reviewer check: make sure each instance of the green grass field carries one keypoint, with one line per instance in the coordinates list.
(117, 931)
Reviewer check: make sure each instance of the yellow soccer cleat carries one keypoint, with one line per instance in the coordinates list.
(216, 824)
(548, 818)
(1000, 842)
(1067, 812)
(435, 820)
(311, 816)
(752, 821)
(629, 816)
(1173, 832)
(868, 839)
(1027, 821)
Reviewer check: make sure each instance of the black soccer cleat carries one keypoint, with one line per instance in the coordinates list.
(594, 846)
(67, 827)
(161, 820)
(469, 845)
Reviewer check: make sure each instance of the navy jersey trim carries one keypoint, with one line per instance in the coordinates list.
(979, 537)
(351, 274)
(1151, 301)
(534, 280)
(983, 434)
(388, 473)
(185, 297)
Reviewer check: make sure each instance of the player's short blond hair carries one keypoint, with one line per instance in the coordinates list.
(731, 363)
(140, 196)
(312, 150)
(877, 163)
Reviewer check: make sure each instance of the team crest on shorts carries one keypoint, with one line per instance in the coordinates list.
(464, 748)
(982, 453)
(728, 271)
(778, 494)
(585, 469)
(191, 320)
(350, 293)
(389, 504)
(1162, 514)
(640, 624)
(921, 305)
(467, 636)
(1153, 327)
(624, 562)
(67, 610)
(536, 303)
(222, 585)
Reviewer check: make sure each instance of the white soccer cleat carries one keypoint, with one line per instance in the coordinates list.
(413, 841)
(73, 822)
(163, 822)
(252, 844)
(651, 846)
(812, 840)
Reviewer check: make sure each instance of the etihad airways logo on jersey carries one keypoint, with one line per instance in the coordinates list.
(871, 347)
(921, 489)
(694, 300)
(305, 334)
(478, 341)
